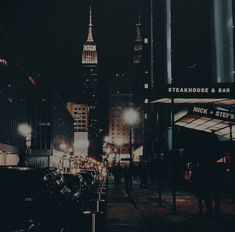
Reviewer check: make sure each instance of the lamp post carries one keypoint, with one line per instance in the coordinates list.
(131, 118)
(26, 131)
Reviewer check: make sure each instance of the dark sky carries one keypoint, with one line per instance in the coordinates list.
(46, 37)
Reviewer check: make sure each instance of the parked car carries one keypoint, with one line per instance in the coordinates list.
(33, 199)
(78, 187)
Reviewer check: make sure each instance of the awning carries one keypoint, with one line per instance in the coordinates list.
(202, 123)
(222, 101)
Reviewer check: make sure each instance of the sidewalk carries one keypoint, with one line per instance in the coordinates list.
(140, 212)
(186, 217)
(121, 215)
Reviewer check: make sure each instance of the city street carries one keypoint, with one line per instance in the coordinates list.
(117, 116)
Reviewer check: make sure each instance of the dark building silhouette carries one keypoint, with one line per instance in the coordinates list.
(120, 99)
(13, 110)
(52, 129)
(141, 82)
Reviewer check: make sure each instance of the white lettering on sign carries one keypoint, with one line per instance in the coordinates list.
(187, 90)
(198, 90)
(225, 115)
(224, 90)
(200, 110)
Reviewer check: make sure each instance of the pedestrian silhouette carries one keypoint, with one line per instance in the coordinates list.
(207, 182)
(143, 174)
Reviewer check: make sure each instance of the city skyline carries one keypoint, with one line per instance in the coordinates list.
(46, 40)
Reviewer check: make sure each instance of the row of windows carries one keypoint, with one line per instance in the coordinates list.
(79, 121)
(82, 125)
(79, 108)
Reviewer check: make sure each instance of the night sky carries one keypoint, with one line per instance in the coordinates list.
(46, 38)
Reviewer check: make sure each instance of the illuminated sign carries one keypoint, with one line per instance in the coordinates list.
(197, 91)
(214, 113)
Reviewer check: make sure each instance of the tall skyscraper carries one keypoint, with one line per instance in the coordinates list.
(138, 47)
(90, 63)
(120, 99)
(141, 81)
(91, 90)
(223, 26)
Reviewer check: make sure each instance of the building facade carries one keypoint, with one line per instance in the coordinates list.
(120, 99)
(80, 114)
(13, 111)
(52, 130)
(141, 83)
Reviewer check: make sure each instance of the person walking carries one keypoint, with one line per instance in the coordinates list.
(144, 175)
(202, 187)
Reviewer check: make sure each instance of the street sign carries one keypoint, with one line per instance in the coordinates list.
(213, 113)
(218, 90)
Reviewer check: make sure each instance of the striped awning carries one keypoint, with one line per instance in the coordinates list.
(225, 101)
(220, 127)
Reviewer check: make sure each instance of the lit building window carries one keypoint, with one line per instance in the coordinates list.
(146, 86)
(146, 100)
(145, 116)
(146, 41)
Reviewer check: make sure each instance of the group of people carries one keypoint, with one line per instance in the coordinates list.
(141, 170)
(122, 171)
(207, 180)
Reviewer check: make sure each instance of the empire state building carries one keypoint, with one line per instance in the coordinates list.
(90, 63)
(91, 89)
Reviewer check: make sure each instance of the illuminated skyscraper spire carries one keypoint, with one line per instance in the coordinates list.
(90, 36)
(89, 55)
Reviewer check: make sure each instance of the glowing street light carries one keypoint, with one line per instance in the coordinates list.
(24, 129)
(119, 141)
(131, 116)
(63, 146)
(107, 139)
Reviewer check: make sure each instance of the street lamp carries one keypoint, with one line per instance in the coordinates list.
(26, 131)
(63, 147)
(131, 117)
(107, 139)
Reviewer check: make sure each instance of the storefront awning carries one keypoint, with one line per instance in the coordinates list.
(202, 123)
(224, 101)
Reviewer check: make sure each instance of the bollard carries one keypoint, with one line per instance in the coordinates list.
(100, 196)
(101, 190)
(86, 225)
(93, 221)
(102, 185)
(98, 205)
